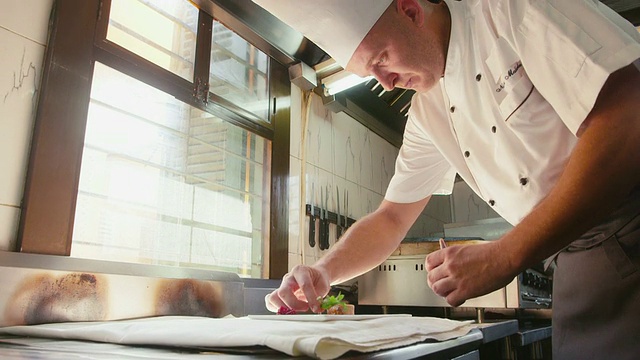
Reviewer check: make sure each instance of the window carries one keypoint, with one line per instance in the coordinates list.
(239, 71)
(169, 170)
(162, 182)
(163, 32)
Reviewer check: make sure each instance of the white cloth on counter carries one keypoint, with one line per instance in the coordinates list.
(323, 340)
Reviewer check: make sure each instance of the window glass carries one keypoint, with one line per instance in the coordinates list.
(238, 71)
(161, 31)
(165, 183)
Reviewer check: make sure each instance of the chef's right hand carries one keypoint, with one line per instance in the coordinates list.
(299, 290)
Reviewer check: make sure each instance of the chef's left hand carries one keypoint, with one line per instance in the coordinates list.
(458, 273)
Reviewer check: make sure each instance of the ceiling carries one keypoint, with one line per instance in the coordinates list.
(384, 112)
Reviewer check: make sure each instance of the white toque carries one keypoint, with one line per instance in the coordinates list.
(336, 26)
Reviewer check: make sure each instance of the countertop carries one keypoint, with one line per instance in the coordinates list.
(529, 334)
(12, 347)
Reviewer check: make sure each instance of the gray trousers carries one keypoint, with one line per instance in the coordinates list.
(596, 291)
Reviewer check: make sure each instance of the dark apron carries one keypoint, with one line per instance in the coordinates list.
(596, 290)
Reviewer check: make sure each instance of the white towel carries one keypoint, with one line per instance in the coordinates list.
(323, 340)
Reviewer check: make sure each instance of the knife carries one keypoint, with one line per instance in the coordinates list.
(338, 222)
(312, 218)
(346, 210)
(326, 218)
(322, 220)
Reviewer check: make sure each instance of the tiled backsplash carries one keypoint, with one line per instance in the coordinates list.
(23, 35)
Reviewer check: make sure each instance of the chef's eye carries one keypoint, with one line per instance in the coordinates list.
(381, 60)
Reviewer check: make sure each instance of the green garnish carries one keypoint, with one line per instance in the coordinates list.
(330, 301)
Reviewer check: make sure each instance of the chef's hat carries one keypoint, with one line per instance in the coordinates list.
(336, 26)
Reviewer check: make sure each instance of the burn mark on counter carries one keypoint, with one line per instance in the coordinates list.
(46, 298)
(188, 297)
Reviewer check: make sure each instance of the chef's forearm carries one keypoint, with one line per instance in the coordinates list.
(601, 172)
(369, 241)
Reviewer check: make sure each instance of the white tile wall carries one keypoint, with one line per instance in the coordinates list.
(319, 143)
(20, 68)
(9, 216)
(294, 206)
(28, 18)
(467, 206)
(23, 34)
(295, 146)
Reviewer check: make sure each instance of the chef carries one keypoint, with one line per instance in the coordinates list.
(536, 105)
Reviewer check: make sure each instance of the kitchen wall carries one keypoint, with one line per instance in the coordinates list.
(467, 206)
(23, 35)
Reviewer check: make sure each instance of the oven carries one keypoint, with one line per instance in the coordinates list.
(402, 281)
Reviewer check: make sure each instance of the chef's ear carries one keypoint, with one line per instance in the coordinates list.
(413, 9)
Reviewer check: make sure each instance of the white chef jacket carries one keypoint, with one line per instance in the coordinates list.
(520, 78)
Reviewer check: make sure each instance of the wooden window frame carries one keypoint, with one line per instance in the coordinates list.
(77, 39)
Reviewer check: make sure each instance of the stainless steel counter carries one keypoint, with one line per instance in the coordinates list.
(495, 330)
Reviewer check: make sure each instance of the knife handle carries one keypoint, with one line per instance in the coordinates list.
(312, 231)
(320, 233)
(326, 234)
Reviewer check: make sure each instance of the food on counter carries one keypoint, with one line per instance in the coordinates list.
(346, 309)
(334, 305)
(283, 310)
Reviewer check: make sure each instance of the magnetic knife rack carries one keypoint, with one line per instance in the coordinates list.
(325, 218)
(331, 216)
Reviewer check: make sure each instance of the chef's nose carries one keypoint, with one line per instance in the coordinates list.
(386, 79)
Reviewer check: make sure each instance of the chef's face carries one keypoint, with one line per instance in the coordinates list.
(406, 48)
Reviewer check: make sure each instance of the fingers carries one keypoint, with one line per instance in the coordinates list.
(436, 274)
(439, 279)
(273, 302)
(307, 286)
(445, 286)
(285, 296)
(454, 299)
(434, 259)
(299, 290)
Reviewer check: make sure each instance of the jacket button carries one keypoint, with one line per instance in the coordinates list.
(452, 109)
(467, 154)
(478, 77)
(524, 181)
(492, 202)
(494, 129)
